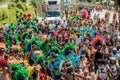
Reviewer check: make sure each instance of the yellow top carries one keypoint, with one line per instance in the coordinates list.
(48, 78)
(2, 45)
(15, 61)
(16, 46)
(38, 67)
(30, 70)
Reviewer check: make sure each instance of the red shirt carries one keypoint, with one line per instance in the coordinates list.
(65, 35)
(55, 33)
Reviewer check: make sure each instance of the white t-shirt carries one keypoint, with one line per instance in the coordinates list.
(5, 26)
(58, 27)
(51, 26)
(64, 24)
(78, 40)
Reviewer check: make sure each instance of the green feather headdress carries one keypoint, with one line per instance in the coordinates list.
(12, 26)
(55, 49)
(45, 46)
(68, 48)
(19, 71)
(15, 37)
(27, 46)
(37, 42)
(41, 59)
(29, 43)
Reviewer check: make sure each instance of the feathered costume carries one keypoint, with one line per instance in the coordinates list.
(18, 72)
(75, 59)
(55, 48)
(41, 59)
(48, 48)
(83, 31)
(98, 37)
(84, 13)
(93, 32)
(68, 48)
(29, 43)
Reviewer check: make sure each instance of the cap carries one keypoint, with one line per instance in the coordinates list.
(114, 49)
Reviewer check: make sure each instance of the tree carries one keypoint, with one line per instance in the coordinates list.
(117, 4)
(23, 0)
(41, 1)
(17, 0)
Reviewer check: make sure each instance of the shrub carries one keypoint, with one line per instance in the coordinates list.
(3, 14)
(11, 5)
(105, 3)
(26, 7)
(23, 0)
(0, 16)
(17, 1)
(20, 5)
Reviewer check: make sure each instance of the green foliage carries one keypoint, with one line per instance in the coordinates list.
(19, 5)
(17, 1)
(0, 16)
(105, 3)
(26, 8)
(23, 0)
(13, 5)
(33, 3)
(3, 14)
(117, 2)
(22, 6)
(10, 6)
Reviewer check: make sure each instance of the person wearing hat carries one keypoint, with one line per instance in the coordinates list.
(5, 26)
(68, 74)
(113, 68)
(115, 53)
(103, 69)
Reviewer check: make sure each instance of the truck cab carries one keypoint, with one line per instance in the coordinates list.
(53, 11)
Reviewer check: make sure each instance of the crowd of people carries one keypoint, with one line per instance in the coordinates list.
(77, 48)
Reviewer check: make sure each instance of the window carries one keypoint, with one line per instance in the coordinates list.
(52, 2)
(53, 14)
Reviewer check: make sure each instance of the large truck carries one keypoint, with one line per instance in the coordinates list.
(53, 10)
